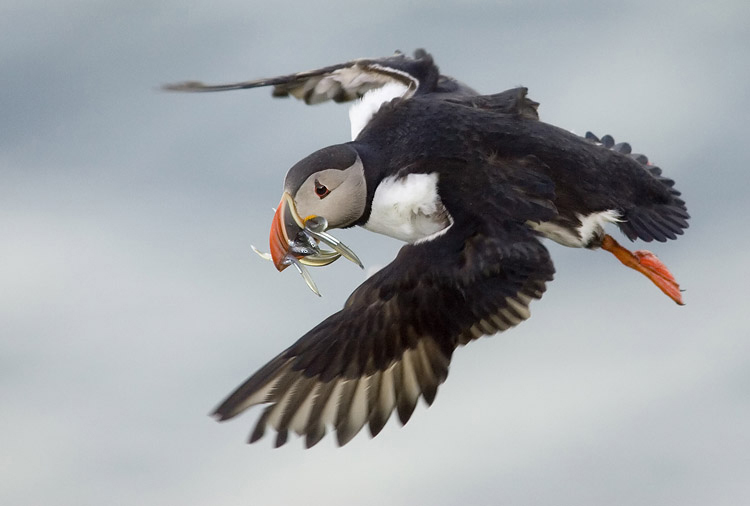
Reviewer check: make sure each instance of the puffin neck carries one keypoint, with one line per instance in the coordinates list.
(375, 166)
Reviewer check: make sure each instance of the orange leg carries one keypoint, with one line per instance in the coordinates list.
(647, 264)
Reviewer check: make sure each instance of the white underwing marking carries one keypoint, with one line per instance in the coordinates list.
(422, 356)
(386, 395)
(476, 332)
(359, 78)
(277, 412)
(298, 423)
(510, 317)
(260, 396)
(413, 81)
(411, 386)
(358, 408)
(408, 208)
(521, 310)
(524, 299)
(487, 327)
(328, 414)
(499, 322)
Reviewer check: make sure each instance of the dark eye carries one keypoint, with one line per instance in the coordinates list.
(321, 190)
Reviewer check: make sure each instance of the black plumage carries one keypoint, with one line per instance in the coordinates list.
(588, 176)
(503, 179)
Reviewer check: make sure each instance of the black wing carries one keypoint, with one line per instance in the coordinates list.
(348, 81)
(656, 210)
(393, 340)
(514, 101)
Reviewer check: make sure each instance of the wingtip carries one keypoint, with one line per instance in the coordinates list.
(184, 86)
(343, 436)
(281, 438)
(220, 415)
(260, 427)
(314, 435)
(376, 424)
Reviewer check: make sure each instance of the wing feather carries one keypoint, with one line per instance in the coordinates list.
(392, 342)
(347, 81)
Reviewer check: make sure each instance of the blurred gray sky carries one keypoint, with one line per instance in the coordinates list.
(131, 302)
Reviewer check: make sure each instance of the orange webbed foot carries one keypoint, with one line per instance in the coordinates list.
(647, 264)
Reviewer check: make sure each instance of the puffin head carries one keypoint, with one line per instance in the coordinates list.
(327, 189)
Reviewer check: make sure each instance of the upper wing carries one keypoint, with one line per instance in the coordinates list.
(397, 76)
(393, 340)
(348, 81)
(514, 101)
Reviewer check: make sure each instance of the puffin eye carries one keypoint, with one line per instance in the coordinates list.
(321, 190)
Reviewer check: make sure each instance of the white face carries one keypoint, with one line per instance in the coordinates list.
(339, 196)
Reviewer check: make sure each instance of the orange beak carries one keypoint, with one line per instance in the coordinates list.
(284, 229)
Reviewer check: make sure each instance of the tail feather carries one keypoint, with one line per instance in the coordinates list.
(657, 221)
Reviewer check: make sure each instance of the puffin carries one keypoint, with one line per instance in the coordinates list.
(471, 183)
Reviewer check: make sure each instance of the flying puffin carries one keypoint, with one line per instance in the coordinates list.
(471, 183)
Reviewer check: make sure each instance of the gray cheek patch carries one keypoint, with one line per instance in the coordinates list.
(338, 157)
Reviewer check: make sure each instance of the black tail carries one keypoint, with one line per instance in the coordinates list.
(659, 213)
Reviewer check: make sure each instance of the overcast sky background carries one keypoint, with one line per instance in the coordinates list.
(131, 303)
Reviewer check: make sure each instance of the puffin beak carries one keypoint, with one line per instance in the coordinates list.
(296, 241)
(285, 228)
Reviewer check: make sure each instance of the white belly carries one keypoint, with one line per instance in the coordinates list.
(592, 226)
(408, 208)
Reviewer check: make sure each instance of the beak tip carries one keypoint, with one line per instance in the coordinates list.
(280, 266)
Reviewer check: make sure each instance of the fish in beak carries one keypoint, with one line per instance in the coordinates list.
(296, 241)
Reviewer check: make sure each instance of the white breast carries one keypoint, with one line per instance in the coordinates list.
(408, 208)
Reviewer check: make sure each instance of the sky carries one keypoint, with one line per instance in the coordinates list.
(131, 302)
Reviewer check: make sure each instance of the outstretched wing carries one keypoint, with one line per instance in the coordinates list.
(346, 81)
(393, 340)
(397, 76)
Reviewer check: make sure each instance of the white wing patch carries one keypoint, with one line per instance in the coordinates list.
(362, 111)
(408, 208)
